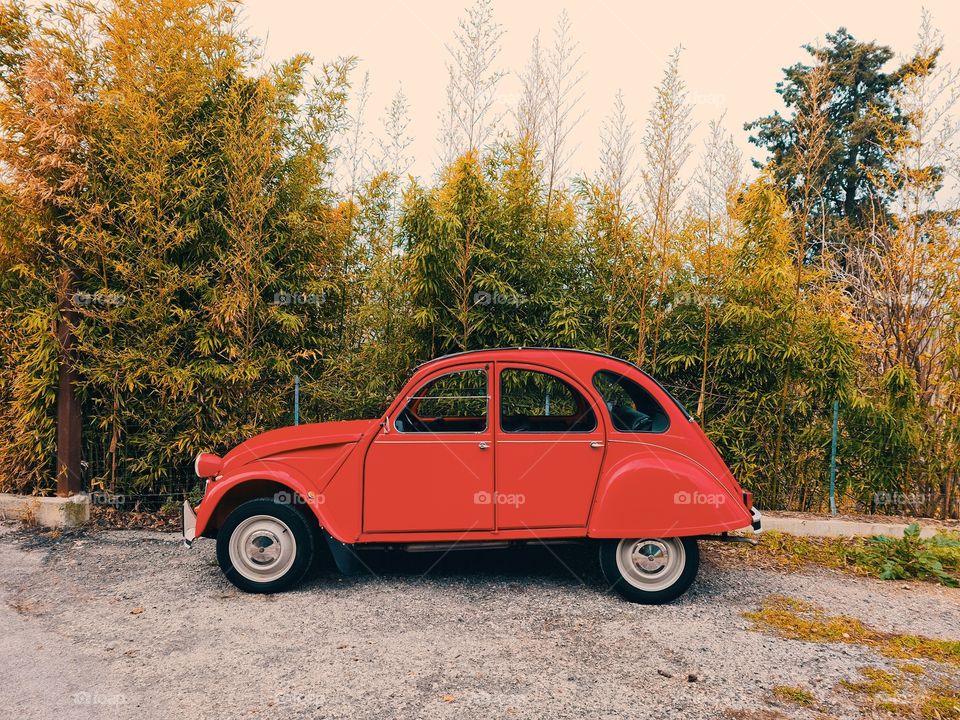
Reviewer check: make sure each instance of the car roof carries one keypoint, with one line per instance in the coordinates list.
(522, 349)
(534, 350)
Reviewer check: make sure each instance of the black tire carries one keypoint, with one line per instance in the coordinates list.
(649, 588)
(264, 524)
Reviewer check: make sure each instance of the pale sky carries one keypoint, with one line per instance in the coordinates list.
(732, 58)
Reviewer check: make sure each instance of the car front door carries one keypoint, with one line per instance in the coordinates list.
(549, 448)
(432, 470)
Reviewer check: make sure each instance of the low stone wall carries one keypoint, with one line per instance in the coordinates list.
(51, 512)
(831, 527)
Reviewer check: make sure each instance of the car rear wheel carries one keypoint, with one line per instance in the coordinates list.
(650, 570)
(265, 546)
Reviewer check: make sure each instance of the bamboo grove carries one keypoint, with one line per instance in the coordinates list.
(186, 231)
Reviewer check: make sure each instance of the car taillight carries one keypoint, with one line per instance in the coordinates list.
(748, 499)
(207, 465)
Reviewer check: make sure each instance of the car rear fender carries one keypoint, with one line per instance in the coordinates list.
(655, 491)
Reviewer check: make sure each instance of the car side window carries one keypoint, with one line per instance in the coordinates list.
(631, 407)
(452, 403)
(538, 402)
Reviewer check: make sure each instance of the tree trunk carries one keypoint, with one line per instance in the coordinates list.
(947, 496)
(68, 404)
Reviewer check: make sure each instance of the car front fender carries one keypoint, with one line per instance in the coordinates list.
(278, 480)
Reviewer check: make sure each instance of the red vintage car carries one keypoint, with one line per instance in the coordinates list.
(482, 449)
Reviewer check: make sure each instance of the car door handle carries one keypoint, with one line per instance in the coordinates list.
(484, 445)
(596, 444)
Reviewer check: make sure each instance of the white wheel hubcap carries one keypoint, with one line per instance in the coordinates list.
(262, 548)
(651, 564)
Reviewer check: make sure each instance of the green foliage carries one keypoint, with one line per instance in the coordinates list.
(913, 557)
(935, 559)
(796, 619)
(858, 97)
(182, 243)
(486, 267)
(193, 196)
(764, 329)
(793, 694)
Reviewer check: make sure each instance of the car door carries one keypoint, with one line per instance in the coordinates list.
(549, 448)
(432, 469)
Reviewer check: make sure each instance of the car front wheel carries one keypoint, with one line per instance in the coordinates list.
(265, 546)
(650, 570)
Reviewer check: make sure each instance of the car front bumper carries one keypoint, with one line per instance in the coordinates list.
(189, 526)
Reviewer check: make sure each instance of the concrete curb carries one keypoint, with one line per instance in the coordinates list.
(840, 528)
(51, 512)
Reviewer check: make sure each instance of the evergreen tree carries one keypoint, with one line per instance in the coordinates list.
(847, 82)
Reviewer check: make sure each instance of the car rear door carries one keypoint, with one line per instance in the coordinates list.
(549, 448)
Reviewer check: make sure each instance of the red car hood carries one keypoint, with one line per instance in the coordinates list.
(296, 437)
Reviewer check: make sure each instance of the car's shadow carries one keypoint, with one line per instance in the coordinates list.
(568, 565)
(575, 562)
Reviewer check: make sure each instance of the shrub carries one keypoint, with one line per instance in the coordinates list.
(911, 556)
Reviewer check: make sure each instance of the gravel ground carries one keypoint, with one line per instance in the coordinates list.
(129, 624)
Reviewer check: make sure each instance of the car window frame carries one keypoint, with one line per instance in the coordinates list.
(415, 396)
(569, 382)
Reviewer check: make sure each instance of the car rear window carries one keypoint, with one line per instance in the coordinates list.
(631, 407)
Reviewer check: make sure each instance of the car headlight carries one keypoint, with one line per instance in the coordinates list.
(207, 465)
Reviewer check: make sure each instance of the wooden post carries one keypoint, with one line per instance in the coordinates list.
(833, 459)
(68, 404)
